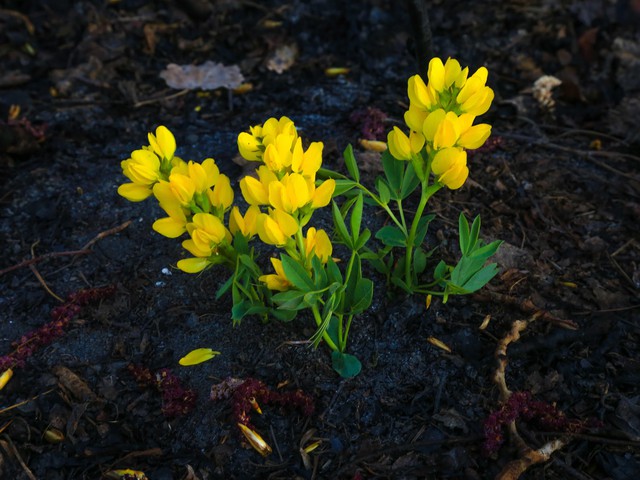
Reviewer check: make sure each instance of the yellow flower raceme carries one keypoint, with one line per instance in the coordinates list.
(403, 147)
(252, 145)
(247, 225)
(278, 155)
(290, 193)
(163, 143)
(143, 169)
(276, 228)
(449, 165)
(204, 175)
(317, 242)
(277, 281)
(207, 234)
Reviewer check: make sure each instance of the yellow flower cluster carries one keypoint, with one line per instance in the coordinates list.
(441, 115)
(286, 187)
(195, 197)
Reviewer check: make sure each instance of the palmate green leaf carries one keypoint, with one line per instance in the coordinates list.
(465, 269)
(474, 234)
(463, 233)
(341, 227)
(350, 163)
(391, 236)
(345, 364)
(296, 274)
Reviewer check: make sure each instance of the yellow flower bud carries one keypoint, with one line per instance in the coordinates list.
(277, 281)
(247, 225)
(436, 74)
(193, 265)
(163, 142)
(403, 147)
(475, 136)
(249, 147)
(419, 94)
(452, 71)
(134, 192)
(171, 227)
(317, 242)
(207, 231)
(142, 168)
(277, 227)
(415, 117)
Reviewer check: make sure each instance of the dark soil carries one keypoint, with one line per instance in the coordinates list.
(560, 186)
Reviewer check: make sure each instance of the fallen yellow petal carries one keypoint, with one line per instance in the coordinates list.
(197, 356)
(311, 447)
(335, 71)
(439, 343)
(53, 435)
(255, 440)
(428, 301)
(485, 322)
(373, 145)
(5, 377)
(135, 474)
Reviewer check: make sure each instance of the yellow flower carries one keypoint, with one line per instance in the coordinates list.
(247, 225)
(207, 232)
(307, 163)
(446, 129)
(163, 143)
(475, 98)
(143, 169)
(277, 227)
(221, 196)
(256, 191)
(277, 281)
(252, 145)
(450, 167)
(272, 128)
(317, 242)
(290, 193)
(204, 175)
(278, 155)
(322, 195)
(176, 223)
(249, 147)
(403, 147)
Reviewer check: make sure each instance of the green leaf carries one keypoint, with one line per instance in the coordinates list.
(283, 315)
(289, 300)
(383, 190)
(333, 272)
(419, 261)
(341, 227)
(251, 266)
(356, 218)
(363, 294)
(394, 171)
(440, 270)
(481, 278)
(473, 236)
(224, 288)
(346, 365)
(362, 239)
(245, 308)
(465, 268)
(240, 244)
(423, 226)
(391, 236)
(296, 274)
(409, 182)
(463, 232)
(487, 251)
(319, 273)
(343, 186)
(350, 163)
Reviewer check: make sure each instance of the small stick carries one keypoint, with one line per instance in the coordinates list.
(40, 258)
(44, 284)
(150, 101)
(106, 233)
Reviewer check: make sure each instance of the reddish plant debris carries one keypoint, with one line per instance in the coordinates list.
(49, 332)
(522, 406)
(249, 394)
(491, 145)
(176, 400)
(370, 121)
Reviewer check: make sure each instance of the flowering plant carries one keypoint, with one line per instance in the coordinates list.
(434, 155)
(289, 186)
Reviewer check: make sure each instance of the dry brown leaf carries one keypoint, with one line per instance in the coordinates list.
(208, 76)
(283, 58)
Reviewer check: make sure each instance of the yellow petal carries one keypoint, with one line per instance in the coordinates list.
(399, 145)
(248, 147)
(322, 196)
(253, 191)
(170, 227)
(436, 74)
(193, 265)
(475, 136)
(197, 356)
(255, 440)
(451, 72)
(432, 122)
(134, 192)
(5, 377)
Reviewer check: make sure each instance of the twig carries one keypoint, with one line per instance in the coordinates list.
(106, 233)
(21, 16)
(44, 284)
(40, 258)
(150, 101)
(13, 451)
(526, 306)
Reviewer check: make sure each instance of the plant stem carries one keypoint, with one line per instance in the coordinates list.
(384, 206)
(325, 334)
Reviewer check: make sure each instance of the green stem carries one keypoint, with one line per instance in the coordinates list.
(384, 206)
(301, 249)
(401, 211)
(325, 334)
(343, 346)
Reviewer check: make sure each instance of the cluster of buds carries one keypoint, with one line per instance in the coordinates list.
(440, 118)
(284, 195)
(195, 197)
(247, 396)
(522, 406)
(176, 400)
(61, 316)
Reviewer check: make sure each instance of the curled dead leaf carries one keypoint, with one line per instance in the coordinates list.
(283, 58)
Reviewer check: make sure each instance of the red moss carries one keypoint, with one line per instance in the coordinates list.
(61, 316)
(176, 400)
